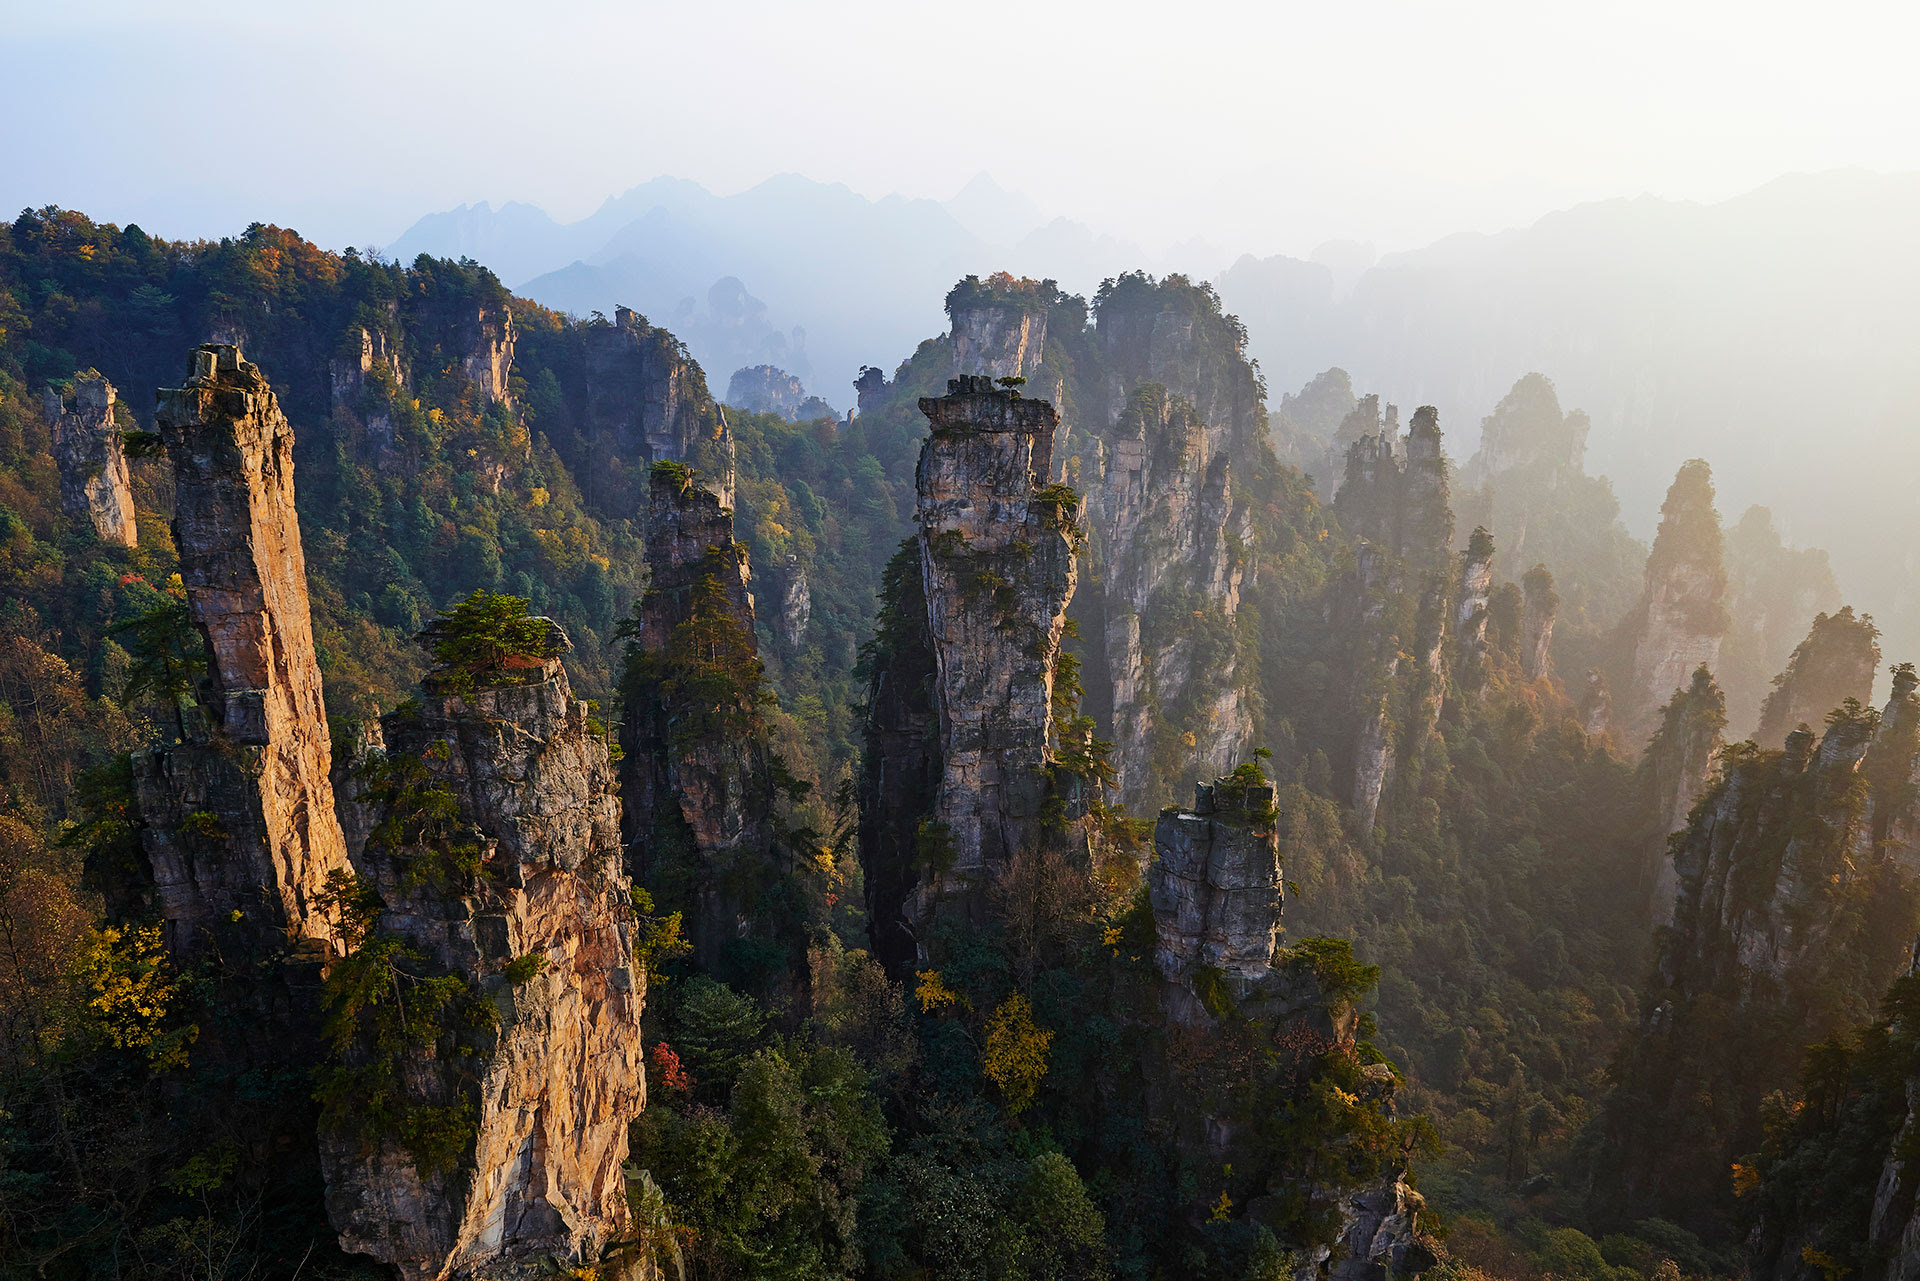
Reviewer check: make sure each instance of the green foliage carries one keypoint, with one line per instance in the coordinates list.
(488, 639)
(382, 1014)
(523, 968)
(421, 828)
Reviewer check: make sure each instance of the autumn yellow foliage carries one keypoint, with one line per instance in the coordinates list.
(1016, 1057)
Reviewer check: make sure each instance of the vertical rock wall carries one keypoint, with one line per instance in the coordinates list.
(243, 820)
(997, 562)
(998, 338)
(553, 1087)
(1173, 550)
(1540, 605)
(1216, 889)
(646, 401)
(1682, 615)
(1215, 885)
(698, 793)
(1402, 601)
(92, 460)
(1679, 762)
(1836, 662)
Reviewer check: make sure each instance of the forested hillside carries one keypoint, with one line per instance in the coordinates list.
(1029, 829)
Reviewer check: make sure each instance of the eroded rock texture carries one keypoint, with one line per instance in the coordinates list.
(362, 386)
(1540, 605)
(1796, 906)
(1397, 607)
(240, 827)
(1682, 613)
(997, 562)
(1679, 761)
(696, 779)
(1836, 662)
(92, 460)
(1476, 585)
(796, 603)
(1216, 889)
(542, 932)
(485, 341)
(997, 336)
(1173, 546)
(646, 401)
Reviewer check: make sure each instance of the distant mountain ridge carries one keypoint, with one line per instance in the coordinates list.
(860, 280)
(1771, 334)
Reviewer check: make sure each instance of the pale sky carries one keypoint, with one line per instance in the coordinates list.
(1263, 127)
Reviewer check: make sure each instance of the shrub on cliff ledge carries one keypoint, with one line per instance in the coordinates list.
(490, 639)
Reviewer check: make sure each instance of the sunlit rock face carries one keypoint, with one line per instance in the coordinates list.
(1795, 903)
(1173, 546)
(998, 569)
(998, 338)
(1403, 598)
(1682, 615)
(1836, 662)
(544, 934)
(239, 820)
(92, 459)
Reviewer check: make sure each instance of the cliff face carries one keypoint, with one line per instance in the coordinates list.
(1476, 585)
(1396, 608)
(240, 826)
(1540, 605)
(1173, 546)
(485, 342)
(92, 460)
(646, 401)
(1836, 662)
(1796, 905)
(763, 389)
(1216, 890)
(1173, 333)
(997, 562)
(538, 931)
(695, 777)
(998, 338)
(1682, 614)
(1674, 772)
(362, 386)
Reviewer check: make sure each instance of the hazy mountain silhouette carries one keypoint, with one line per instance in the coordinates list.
(1772, 334)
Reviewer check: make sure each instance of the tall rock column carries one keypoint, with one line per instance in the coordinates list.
(1682, 615)
(999, 326)
(496, 856)
(1216, 890)
(1540, 605)
(1174, 545)
(997, 560)
(1401, 601)
(92, 460)
(1215, 886)
(240, 826)
(1836, 662)
(1791, 917)
(646, 401)
(696, 778)
(1674, 772)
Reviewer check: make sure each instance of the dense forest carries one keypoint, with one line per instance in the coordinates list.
(1072, 817)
